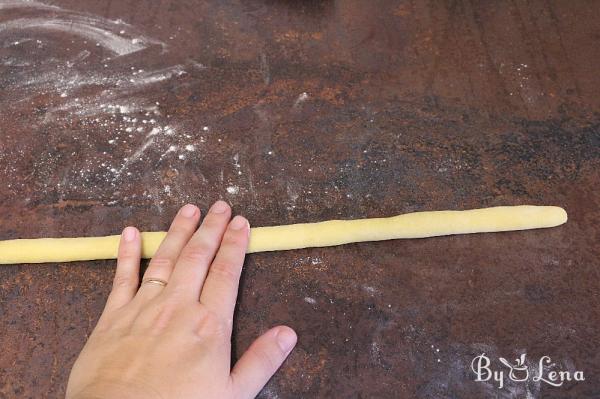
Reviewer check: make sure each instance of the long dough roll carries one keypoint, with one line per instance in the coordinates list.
(303, 235)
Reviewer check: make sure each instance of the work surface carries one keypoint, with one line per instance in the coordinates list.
(117, 113)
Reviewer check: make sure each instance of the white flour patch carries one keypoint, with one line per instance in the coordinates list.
(137, 154)
(80, 26)
(146, 78)
(370, 290)
(375, 353)
(293, 195)
(102, 107)
(172, 148)
(111, 100)
(269, 393)
(59, 80)
(301, 98)
(150, 138)
(92, 106)
(111, 35)
(78, 58)
(236, 163)
(6, 4)
(67, 78)
(310, 300)
(233, 190)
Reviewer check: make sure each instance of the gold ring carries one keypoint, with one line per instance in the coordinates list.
(156, 281)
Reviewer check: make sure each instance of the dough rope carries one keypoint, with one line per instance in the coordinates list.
(304, 235)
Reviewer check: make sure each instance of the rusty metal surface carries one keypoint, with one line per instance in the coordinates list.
(115, 113)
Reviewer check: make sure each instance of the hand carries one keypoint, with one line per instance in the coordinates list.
(174, 341)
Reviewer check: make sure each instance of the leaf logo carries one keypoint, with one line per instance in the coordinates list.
(519, 371)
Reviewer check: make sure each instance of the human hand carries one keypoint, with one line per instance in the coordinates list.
(174, 341)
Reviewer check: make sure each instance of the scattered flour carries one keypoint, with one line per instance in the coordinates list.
(6, 4)
(301, 98)
(233, 190)
(310, 300)
(109, 107)
(86, 27)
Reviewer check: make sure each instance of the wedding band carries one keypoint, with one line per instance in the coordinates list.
(157, 281)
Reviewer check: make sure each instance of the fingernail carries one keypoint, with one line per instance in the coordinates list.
(219, 207)
(129, 234)
(188, 211)
(286, 339)
(238, 223)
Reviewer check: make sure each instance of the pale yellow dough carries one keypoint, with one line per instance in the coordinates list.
(322, 234)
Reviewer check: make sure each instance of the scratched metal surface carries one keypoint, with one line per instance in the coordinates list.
(115, 113)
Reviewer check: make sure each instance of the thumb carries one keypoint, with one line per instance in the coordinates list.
(262, 359)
